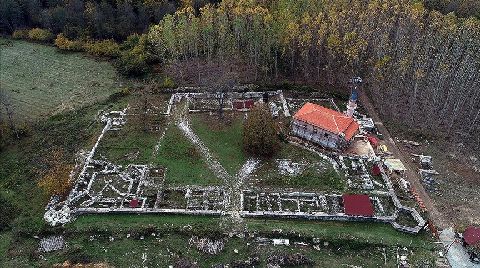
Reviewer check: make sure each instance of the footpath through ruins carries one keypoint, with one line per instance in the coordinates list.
(233, 185)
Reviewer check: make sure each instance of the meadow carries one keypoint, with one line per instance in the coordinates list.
(39, 81)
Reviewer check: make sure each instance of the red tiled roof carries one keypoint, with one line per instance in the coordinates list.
(357, 205)
(472, 235)
(327, 119)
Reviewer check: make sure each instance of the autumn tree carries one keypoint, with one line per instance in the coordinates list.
(418, 63)
(56, 180)
(259, 132)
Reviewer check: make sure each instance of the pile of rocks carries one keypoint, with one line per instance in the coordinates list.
(207, 245)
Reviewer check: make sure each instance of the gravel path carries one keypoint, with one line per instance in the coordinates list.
(233, 184)
(456, 255)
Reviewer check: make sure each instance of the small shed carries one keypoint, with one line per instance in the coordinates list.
(358, 205)
(244, 104)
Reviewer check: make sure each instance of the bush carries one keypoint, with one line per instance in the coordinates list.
(20, 34)
(132, 63)
(168, 83)
(103, 48)
(41, 35)
(131, 42)
(259, 132)
(64, 43)
(56, 181)
(134, 59)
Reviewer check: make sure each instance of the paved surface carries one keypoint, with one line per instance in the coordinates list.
(412, 175)
(456, 254)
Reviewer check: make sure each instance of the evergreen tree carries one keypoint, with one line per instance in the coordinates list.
(259, 132)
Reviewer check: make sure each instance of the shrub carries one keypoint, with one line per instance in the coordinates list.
(131, 42)
(71, 45)
(20, 34)
(132, 63)
(259, 133)
(168, 83)
(103, 48)
(56, 181)
(134, 59)
(41, 35)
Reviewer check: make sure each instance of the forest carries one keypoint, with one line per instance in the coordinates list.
(100, 19)
(421, 66)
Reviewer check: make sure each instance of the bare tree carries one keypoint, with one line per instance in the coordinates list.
(222, 87)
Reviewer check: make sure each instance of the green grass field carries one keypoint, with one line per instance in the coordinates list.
(40, 81)
(224, 139)
(367, 245)
(184, 163)
(128, 146)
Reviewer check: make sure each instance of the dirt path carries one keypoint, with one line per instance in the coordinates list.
(412, 176)
(233, 184)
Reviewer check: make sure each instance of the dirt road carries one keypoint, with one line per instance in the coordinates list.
(412, 175)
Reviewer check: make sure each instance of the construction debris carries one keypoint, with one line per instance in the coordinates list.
(207, 245)
(51, 243)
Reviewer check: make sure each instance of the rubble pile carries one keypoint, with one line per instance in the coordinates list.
(207, 245)
(51, 243)
(296, 259)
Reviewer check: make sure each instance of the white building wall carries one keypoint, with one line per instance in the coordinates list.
(317, 135)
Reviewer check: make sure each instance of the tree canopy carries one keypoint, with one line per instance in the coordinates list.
(259, 132)
(100, 19)
(418, 63)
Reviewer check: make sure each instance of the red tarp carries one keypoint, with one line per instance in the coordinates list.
(357, 205)
(134, 203)
(376, 170)
(243, 104)
(249, 104)
(471, 235)
(238, 105)
(373, 141)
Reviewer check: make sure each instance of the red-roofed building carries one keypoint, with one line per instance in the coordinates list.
(324, 126)
(243, 104)
(357, 205)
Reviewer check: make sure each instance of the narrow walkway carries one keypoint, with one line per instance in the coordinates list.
(233, 184)
(456, 254)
